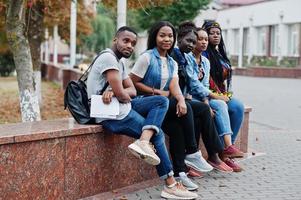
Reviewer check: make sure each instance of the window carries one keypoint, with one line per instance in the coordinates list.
(235, 41)
(262, 41)
(293, 40)
(274, 40)
(246, 41)
(226, 41)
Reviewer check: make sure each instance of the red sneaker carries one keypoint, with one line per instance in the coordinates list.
(232, 152)
(194, 173)
(223, 167)
(231, 163)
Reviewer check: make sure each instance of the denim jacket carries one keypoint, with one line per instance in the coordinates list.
(152, 76)
(194, 86)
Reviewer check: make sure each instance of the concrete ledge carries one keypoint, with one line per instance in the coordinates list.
(61, 159)
(278, 72)
(243, 136)
(59, 74)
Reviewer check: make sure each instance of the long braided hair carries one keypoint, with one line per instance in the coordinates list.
(215, 55)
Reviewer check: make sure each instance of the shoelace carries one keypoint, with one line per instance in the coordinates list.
(180, 185)
(152, 147)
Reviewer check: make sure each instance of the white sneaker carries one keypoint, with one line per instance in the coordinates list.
(197, 162)
(144, 150)
(187, 181)
(177, 191)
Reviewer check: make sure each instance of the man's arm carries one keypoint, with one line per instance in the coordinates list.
(121, 93)
(129, 87)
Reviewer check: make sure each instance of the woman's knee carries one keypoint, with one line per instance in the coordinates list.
(219, 105)
(236, 106)
(163, 101)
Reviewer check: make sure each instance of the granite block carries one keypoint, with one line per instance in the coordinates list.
(101, 162)
(32, 170)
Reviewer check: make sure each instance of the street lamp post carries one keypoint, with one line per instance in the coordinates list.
(121, 13)
(73, 33)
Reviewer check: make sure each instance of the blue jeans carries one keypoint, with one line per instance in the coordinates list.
(146, 113)
(228, 117)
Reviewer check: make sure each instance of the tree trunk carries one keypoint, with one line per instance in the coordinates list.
(15, 31)
(35, 30)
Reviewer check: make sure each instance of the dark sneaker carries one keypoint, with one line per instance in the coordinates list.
(231, 163)
(222, 167)
(232, 152)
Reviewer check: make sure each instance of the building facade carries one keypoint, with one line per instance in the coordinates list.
(260, 33)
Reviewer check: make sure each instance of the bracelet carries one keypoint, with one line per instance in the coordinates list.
(178, 95)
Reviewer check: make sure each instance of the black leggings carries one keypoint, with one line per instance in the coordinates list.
(184, 132)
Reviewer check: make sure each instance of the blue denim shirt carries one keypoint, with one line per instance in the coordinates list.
(196, 88)
(152, 76)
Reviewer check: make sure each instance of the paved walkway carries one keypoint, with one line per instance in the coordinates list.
(273, 172)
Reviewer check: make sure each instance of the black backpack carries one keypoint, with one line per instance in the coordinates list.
(76, 98)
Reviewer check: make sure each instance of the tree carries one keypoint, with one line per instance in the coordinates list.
(25, 20)
(134, 4)
(103, 30)
(175, 13)
(18, 43)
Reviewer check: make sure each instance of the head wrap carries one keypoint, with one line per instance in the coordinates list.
(210, 24)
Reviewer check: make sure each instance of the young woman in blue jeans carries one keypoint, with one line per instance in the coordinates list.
(218, 77)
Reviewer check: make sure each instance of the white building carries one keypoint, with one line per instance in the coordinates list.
(258, 32)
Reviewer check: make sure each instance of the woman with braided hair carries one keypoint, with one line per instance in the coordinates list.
(220, 83)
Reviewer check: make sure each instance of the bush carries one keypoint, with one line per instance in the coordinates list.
(7, 65)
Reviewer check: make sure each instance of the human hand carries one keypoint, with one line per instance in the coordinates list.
(181, 108)
(188, 97)
(224, 98)
(163, 93)
(107, 96)
(212, 112)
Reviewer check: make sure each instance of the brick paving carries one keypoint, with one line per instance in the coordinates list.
(273, 164)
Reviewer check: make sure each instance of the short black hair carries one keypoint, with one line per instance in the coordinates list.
(153, 32)
(200, 28)
(125, 28)
(185, 28)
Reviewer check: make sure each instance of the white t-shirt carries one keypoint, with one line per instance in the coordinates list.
(142, 64)
(97, 79)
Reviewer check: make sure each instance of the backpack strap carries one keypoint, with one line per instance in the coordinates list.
(104, 88)
(84, 76)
